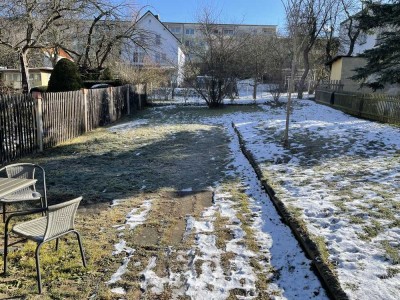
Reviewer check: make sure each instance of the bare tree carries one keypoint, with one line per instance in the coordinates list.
(350, 31)
(148, 73)
(294, 22)
(107, 28)
(314, 16)
(24, 26)
(211, 66)
(256, 58)
(8, 57)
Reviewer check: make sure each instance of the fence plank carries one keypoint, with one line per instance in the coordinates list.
(59, 117)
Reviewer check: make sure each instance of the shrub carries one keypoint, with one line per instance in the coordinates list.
(65, 77)
(106, 74)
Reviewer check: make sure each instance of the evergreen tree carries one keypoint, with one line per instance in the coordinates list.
(65, 77)
(383, 61)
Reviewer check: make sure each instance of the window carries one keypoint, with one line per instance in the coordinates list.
(175, 29)
(189, 31)
(138, 57)
(268, 30)
(228, 31)
(34, 76)
(158, 39)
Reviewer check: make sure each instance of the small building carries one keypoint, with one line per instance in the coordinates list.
(343, 68)
(37, 77)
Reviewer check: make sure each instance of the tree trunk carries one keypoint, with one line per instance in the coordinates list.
(255, 90)
(289, 102)
(305, 73)
(24, 72)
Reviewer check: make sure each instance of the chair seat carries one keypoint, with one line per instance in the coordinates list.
(24, 195)
(33, 230)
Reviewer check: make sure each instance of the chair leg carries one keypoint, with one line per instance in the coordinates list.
(5, 251)
(57, 243)
(4, 212)
(81, 248)
(39, 279)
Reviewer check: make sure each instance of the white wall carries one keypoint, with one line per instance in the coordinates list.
(367, 42)
(364, 41)
(169, 44)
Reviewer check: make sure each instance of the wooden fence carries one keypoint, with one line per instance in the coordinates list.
(332, 85)
(17, 127)
(31, 123)
(377, 107)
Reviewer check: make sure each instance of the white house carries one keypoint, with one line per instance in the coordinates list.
(165, 50)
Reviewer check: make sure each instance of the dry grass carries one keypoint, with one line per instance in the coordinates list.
(173, 152)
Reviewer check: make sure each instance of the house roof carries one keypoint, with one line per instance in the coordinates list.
(224, 24)
(30, 69)
(60, 52)
(149, 12)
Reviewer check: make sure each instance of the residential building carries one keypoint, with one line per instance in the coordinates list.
(37, 77)
(166, 50)
(187, 32)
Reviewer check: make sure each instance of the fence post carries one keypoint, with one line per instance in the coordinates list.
(361, 107)
(39, 120)
(139, 91)
(85, 110)
(111, 106)
(128, 104)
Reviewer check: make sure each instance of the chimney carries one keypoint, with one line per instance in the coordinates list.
(157, 17)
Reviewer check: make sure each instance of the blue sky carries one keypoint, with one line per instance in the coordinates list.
(267, 12)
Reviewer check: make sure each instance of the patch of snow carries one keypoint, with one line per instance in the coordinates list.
(128, 125)
(121, 247)
(133, 219)
(118, 290)
(121, 271)
(116, 202)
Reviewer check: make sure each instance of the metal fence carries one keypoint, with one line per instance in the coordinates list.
(377, 107)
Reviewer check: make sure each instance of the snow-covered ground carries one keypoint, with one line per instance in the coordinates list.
(245, 90)
(340, 175)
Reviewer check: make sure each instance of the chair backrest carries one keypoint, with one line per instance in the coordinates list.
(26, 171)
(23, 170)
(60, 218)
